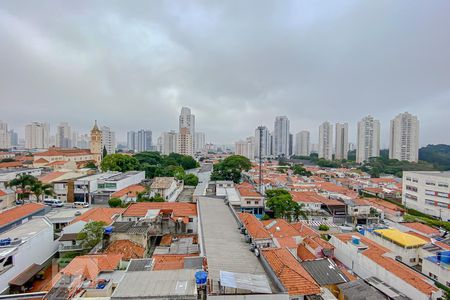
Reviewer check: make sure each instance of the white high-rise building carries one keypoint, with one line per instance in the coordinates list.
(404, 138)
(167, 142)
(63, 135)
(186, 131)
(144, 140)
(246, 148)
(131, 140)
(281, 136)
(302, 143)
(326, 141)
(341, 149)
(263, 138)
(199, 141)
(108, 140)
(368, 139)
(37, 135)
(4, 137)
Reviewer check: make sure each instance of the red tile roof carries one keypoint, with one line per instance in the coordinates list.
(2, 193)
(179, 209)
(304, 230)
(11, 164)
(422, 228)
(280, 228)
(305, 254)
(126, 248)
(245, 189)
(291, 274)
(254, 226)
(89, 266)
(64, 152)
(286, 242)
(100, 214)
(131, 190)
(19, 212)
(376, 254)
(307, 197)
(51, 176)
(169, 262)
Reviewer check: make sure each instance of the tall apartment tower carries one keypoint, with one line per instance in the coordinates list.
(263, 139)
(108, 140)
(4, 137)
(281, 136)
(404, 138)
(63, 135)
(341, 147)
(186, 131)
(246, 148)
(131, 141)
(96, 143)
(37, 135)
(199, 141)
(184, 144)
(167, 142)
(143, 140)
(326, 141)
(368, 139)
(302, 143)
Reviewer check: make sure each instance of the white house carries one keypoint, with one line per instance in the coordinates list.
(167, 187)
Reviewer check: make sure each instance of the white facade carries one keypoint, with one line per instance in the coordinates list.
(108, 140)
(120, 181)
(263, 138)
(63, 135)
(187, 120)
(35, 245)
(143, 140)
(427, 192)
(281, 136)
(185, 143)
(341, 149)
(167, 142)
(4, 137)
(302, 143)
(246, 148)
(368, 139)
(37, 135)
(131, 140)
(326, 141)
(404, 139)
(200, 141)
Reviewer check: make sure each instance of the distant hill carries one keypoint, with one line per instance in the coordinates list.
(438, 155)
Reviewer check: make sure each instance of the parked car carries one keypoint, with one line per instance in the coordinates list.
(80, 205)
(53, 202)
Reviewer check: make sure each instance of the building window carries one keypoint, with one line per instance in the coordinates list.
(191, 220)
(411, 188)
(415, 180)
(429, 193)
(408, 178)
(443, 184)
(190, 231)
(249, 202)
(430, 183)
(410, 197)
(413, 260)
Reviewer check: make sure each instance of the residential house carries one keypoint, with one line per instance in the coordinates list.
(251, 200)
(20, 214)
(167, 187)
(130, 193)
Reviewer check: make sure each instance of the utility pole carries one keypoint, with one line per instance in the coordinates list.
(260, 130)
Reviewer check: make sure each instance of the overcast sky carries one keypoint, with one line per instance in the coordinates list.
(237, 64)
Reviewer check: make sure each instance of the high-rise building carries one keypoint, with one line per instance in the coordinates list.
(4, 138)
(199, 141)
(13, 138)
(37, 135)
(167, 142)
(186, 131)
(81, 141)
(246, 148)
(291, 144)
(302, 143)
(281, 136)
(263, 138)
(144, 140)
(184, 144)
(404, 138)
(368, 139)
(326, 141)
(108, 140)
(341, 147)
(96, 143)
(131, 140)
(63, 135)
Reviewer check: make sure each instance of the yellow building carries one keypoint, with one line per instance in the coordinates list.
(96, 143)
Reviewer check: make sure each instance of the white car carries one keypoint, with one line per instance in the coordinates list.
(80, 205)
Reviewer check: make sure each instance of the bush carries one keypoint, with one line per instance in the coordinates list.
(324, 227)
(265, 217)
(115, 202)
(190, 180)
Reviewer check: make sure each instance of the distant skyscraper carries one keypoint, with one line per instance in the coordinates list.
(341, 150)
(302, 143)
(281, 136)
(265, 141)
(246, 148)
(144, 140)
(4, 138)
(199, 141)
(326, 141)
(37, 135)
(404, 138)
(131, 141)
(96, 143)
(291, 144)
(186, 131)
(167, 142)
(13, 138)
(368, 139)
(108, 140)
(63, 135)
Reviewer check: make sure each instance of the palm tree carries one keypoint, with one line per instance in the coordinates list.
(40, 189)
(22, 182)
(298, 212)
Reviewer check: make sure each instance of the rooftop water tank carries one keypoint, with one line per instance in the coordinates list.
(355, 240)
(444, 257)
(201, 277)
(108, 230)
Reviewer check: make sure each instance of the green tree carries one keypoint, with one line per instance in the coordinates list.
(104, 153)
(40, 190)
(119, 162)
(190, 180)
(22, 182)
(231, 168)
(281, 203)
(115, 202)
(323, 227)
(90, 165)
(91, 234)
(300, 170)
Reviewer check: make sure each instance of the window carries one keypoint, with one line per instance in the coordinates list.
(249, 202)
(411, 188)
(415, 180)
(429, 193)
(430, 182)
(190, 231)
(408, 178)
(191, 220)
(443, 184)
(432, 275)
(413, 260)
(410, 197)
